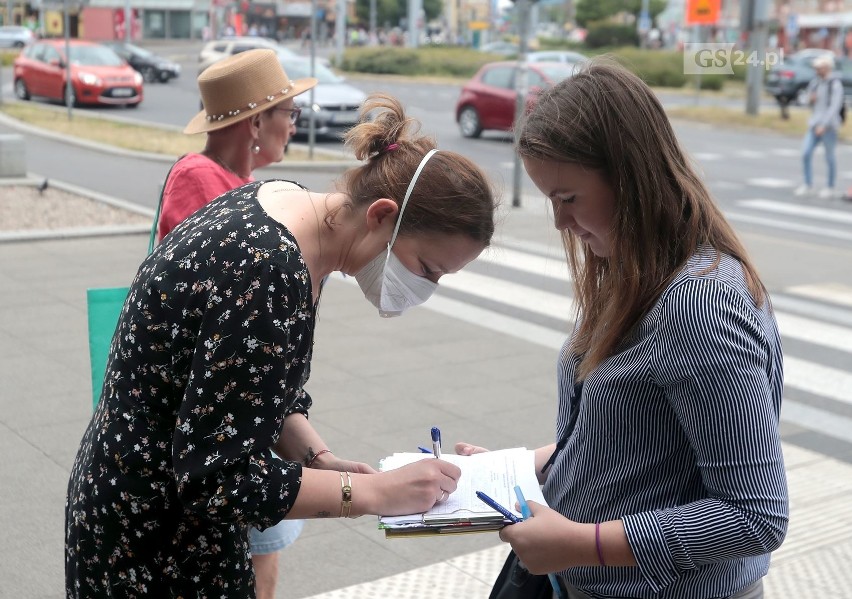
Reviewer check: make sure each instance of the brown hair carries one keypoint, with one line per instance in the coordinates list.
(607, 119)
(452, 194)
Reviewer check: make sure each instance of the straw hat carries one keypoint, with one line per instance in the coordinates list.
(241, 85)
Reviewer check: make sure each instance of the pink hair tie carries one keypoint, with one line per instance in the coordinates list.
(391, 147)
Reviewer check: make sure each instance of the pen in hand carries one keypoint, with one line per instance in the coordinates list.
(526, 513)
(436, 441)
(493, 504)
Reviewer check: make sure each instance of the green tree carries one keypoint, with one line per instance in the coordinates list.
(391, 12)
(592, 11)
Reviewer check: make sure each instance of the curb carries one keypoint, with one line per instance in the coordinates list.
(77, 232)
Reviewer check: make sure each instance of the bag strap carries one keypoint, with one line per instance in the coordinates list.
(156, 222)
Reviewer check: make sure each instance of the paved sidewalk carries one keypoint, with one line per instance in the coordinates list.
(378, 386)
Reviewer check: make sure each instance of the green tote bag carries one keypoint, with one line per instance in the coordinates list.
(104, 306)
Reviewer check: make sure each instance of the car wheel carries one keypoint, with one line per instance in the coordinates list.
(21, 90)
(802, 96)
(149, 74)
(469, 124)
(164, 77)
(18, 45)
(70, 97)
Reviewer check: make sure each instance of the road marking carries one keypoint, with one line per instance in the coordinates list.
(755, 154)
(836, 293)
(708, 156)
(815, 212)
(784, 225)
(771, 182)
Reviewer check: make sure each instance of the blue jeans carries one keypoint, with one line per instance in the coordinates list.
(829, 140)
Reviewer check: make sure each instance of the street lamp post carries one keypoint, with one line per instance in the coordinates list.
(128, 22)
(523, 12)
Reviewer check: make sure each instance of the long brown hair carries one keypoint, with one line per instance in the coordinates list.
(452, 194)
(607, 119)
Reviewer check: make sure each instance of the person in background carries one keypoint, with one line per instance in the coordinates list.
(253, 135)
(826, 98)
(667, 479)
(212, 352)
(242, 133)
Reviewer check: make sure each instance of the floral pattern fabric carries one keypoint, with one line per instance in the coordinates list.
(211, 353)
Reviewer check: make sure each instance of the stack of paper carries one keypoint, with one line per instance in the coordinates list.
(495, 473)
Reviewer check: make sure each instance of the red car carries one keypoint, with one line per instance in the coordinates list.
(487, 101)
(98, 74)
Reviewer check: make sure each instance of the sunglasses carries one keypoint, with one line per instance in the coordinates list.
(295, 113)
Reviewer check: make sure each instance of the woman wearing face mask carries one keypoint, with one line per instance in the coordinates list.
(212, 351)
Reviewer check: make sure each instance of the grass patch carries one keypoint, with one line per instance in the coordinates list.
(795, 126)
(129, 136)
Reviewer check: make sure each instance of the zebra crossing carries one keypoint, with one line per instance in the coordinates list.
(523, 289)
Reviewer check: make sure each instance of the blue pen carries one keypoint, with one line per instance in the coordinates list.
(423, 449)
(526, 513)
(491, 503)
(436, 441)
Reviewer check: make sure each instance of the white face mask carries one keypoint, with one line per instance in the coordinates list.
(385, 281)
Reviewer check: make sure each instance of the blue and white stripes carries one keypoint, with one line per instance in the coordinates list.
(677, 435)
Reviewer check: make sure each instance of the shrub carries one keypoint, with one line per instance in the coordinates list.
(431, 60)
(607, 34)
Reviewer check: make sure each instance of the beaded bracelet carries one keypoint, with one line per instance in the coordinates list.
(311, 457)
(346, 495)
(598, 543)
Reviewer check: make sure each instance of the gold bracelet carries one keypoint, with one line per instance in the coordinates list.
(346, 495)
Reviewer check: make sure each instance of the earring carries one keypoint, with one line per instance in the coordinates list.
(255, 149)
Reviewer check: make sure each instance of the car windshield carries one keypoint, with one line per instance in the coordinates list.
(139, 51)
(557, 72)
(297, 69)
(95, 56)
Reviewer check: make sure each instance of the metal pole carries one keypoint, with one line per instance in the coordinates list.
(757, 51)
(373, 34)
(522, 6)
(312, 131)
(340, 30)
(68, 85)
(128, 22)
(413, 16)
(10, 4)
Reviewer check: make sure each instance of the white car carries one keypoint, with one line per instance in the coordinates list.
(228, 46)
(15, 37)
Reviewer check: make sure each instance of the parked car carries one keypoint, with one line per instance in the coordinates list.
(15, 37)
(488, 100)
(557, 56)
(228, 46)
(788, 81)
(335, 103)
(151, 66)
(500, 47)
(98, 75)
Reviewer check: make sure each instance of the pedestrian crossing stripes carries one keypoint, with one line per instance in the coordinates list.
(819, 222)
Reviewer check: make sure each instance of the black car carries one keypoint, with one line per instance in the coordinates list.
(788, 81)
(150, 66)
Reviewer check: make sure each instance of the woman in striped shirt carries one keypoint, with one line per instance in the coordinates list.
(668, 479)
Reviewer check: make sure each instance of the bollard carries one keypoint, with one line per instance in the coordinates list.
(13, 156)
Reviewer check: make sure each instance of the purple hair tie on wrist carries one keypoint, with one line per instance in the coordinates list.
(391, 147)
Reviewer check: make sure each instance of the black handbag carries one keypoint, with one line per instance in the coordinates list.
(516, 582)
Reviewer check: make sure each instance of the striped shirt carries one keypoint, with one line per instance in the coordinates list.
(677, 435)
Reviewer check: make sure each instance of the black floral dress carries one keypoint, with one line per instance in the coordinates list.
(211, 353)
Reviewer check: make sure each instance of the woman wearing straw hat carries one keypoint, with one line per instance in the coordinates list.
(212, 351)
(248, 116)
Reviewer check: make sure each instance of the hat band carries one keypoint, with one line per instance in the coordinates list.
(250, 106)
